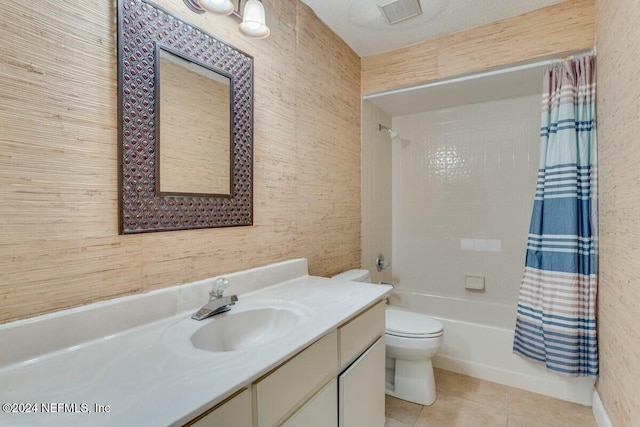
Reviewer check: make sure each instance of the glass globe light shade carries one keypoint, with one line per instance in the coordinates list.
(253, 21)
(224, 7)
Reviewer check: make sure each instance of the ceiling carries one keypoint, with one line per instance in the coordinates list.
(361, 25)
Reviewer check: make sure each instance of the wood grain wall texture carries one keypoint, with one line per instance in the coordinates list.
(59, 242)
(618, 39)
(551, 31)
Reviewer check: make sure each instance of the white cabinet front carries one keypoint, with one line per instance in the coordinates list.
(320, 411)
(234, 412)
(282, 390)
(361, 390)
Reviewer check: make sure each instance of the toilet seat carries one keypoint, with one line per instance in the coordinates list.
(407, 324)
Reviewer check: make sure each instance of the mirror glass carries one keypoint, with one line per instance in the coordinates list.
(194, 139)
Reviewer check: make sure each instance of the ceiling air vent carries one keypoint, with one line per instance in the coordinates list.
(399, 10)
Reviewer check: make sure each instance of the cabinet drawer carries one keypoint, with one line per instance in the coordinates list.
(234, 412)
(279, 392)
(359, 333)
(320, 411)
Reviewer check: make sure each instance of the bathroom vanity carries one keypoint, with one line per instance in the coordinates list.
(336, 381)
(295, 350)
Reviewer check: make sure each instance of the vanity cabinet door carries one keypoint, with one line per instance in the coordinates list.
(361, 390)
(320, 411)
(234, 412)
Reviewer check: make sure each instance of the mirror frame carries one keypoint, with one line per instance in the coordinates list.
(142, 26)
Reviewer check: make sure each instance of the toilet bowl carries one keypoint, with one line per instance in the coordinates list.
(411, 340)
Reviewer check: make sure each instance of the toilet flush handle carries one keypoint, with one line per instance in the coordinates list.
(381, 264)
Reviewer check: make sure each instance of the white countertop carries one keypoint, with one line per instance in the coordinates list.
(150, 375)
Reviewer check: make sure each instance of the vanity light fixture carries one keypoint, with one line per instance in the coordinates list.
(223, 7)
(253, 20)
(253, 17)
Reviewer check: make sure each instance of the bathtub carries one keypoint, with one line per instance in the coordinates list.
(478, 338)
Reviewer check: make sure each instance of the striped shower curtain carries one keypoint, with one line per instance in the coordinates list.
(556, 319)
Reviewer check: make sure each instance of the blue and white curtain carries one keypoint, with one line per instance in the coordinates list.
(556, 320)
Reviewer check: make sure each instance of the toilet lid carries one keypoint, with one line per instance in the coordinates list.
(405, 323)
(354, 275)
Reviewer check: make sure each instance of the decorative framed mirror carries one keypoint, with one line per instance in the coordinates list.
(185, 105)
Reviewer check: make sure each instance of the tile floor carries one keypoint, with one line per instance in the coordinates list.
(469, 402)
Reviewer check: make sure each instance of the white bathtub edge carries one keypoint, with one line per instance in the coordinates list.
(599, 411)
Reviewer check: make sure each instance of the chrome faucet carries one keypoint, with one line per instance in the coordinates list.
(217, 303)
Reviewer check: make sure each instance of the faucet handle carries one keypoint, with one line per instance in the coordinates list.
(219, 286)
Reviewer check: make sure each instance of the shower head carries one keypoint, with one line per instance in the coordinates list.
(392, 133)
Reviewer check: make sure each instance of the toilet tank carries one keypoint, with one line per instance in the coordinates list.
(355, 275)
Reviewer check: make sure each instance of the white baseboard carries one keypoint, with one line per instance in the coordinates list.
(599, 412)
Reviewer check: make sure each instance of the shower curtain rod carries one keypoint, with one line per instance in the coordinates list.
(467, 77)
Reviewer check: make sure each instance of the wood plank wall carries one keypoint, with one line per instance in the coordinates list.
(59, 242)
(329, 199)
(546, 32)
(618, 39)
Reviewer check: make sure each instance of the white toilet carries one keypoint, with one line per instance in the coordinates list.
(411, 340)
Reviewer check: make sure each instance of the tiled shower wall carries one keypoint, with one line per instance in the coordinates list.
(376, 190)
(463, 185)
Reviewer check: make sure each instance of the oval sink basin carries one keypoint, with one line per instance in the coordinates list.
(245, 329)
